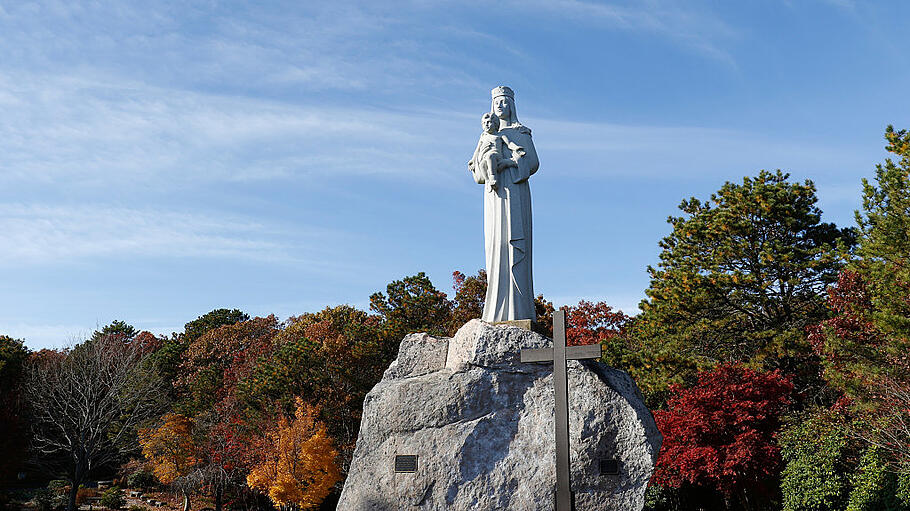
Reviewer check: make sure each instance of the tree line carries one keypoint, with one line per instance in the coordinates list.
(773, 348)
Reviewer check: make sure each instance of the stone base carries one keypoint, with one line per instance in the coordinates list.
(527, 324)
(480, 423)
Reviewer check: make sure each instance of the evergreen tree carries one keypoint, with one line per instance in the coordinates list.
(740, 278)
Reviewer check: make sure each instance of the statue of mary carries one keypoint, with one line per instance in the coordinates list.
(507, 217)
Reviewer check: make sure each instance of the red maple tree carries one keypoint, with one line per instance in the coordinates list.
(721, 433)
(592, 323)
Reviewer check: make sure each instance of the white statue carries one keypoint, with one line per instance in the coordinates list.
(504, 160)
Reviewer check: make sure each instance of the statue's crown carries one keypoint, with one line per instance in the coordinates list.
(502, 90)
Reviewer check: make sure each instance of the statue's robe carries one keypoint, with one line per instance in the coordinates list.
(507, 233)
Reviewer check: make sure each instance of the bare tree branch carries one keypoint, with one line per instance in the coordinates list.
(86, 403)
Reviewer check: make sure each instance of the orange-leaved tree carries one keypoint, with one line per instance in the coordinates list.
(172, 452)
(297, 468)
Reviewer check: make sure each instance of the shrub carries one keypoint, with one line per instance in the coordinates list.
(58, 486)
(875, 488)
(113, 498)
(816, 451)
(141, 479)
(58, 489)
(44, 500)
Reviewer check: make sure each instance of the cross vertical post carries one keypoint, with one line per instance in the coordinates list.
(564, 500)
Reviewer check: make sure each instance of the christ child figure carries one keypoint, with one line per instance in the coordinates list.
(488, 159)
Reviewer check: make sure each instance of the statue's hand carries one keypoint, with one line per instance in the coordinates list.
(506, 164)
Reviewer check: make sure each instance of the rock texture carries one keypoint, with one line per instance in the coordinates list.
(481, 424)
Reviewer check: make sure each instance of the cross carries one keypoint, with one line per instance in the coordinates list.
(558, 354)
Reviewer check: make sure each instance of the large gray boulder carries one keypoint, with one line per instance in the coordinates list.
(481, 424)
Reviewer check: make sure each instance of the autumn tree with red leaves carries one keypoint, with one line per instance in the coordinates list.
(209, 378)
(470, 295)
(214, 362)
(721, 434)
(593, 323)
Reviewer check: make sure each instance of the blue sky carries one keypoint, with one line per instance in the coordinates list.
(162, 159)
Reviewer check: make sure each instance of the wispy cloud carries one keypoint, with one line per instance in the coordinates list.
(90, 133)
(235, 46)
(848, 5)
(697, 28)
(35, 234)
(98, 95)
(83, 134)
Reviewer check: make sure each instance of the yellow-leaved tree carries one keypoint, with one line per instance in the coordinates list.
(171, 451)
(298, 462)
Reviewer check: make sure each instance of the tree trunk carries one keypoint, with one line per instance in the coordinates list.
(747, 506)
(71, 502)
(218, 493)
(186, 501)
(78, 474)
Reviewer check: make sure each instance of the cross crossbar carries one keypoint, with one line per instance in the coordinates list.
(572, 353)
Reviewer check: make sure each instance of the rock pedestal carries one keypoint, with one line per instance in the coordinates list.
(481, 424)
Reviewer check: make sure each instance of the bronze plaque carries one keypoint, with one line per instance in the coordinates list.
(609, 467)
(406, 463)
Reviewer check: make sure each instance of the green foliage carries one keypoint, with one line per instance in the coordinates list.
(413, 305)
(903, 488)
(875, 488)
(884, 245)
(816, 455)
(739, 279)
(57, 485)
(830, 469)
(165, 362)
(119, 329)
(865, 347)
(660, 498)
(53, 496)
(12, 356)
(112, 498)
(212, 320)
(141, 479)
